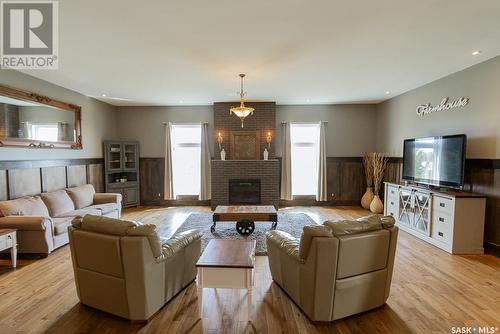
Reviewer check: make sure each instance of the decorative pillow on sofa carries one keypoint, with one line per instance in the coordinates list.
(82, 196)
(58, 202)
(24, 206)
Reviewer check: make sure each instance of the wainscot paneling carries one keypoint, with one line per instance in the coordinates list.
(152, 180)
(77, 175)
(53, 178)
(24, 182)
(31, 177)
(3, 185)
(95, 176)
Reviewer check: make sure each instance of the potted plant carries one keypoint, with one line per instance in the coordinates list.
(379, 165)
(368, 165)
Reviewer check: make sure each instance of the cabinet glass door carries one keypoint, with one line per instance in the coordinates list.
(130, 156)
(405, 207)
(422, 212)
(114, 157)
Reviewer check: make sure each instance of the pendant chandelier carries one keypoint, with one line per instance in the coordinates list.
(242, 112)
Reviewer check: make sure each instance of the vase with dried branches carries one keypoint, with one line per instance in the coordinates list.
(368, 166)
(379, 165)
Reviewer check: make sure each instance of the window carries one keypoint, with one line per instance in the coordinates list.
(44, 132)
(186, 140)
(304, 140)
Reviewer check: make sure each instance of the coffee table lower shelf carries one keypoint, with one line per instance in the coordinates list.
(226, 278)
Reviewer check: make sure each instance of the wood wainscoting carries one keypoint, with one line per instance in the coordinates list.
(31, 177)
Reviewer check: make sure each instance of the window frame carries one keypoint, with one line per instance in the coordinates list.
(184, 145)
(314, 144)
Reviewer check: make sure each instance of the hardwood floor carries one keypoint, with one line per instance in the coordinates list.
(432, 291)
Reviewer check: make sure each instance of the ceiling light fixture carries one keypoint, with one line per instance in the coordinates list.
(242, 112)
(387, 93)
(476, 53)
(103, 95)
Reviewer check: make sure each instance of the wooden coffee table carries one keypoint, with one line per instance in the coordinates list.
(227, 264)
(245, 216)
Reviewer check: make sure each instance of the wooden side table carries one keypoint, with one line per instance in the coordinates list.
(8, 240)
(227, 264)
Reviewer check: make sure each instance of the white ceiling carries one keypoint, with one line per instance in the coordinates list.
(174, 52)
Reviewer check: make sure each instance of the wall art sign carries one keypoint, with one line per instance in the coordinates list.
(425, 109)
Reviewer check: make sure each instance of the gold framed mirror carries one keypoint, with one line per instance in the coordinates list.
(35, 121)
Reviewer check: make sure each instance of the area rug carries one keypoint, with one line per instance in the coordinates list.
(292, 223)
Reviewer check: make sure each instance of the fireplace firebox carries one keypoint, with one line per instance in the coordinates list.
(244, 191)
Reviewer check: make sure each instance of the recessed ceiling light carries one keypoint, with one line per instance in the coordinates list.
(181, 101)
(308, 100)
(103, 95)
(387, 93)
(476, 53)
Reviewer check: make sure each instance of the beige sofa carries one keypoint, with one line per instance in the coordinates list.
(42, 221)
(126, 269)
(336, 269)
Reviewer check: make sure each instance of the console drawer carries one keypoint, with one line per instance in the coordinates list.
(443, 205)
(442, 228)
(392, 208)
(392, 193)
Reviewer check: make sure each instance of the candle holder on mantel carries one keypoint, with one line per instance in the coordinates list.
(268, 140)
(220, 140)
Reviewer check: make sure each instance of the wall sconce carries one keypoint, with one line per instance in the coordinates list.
(268, 140)
(219, 140)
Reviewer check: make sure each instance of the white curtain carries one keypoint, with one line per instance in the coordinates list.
(286, 163)
(321, 193)
(168, 186)
(206, 178)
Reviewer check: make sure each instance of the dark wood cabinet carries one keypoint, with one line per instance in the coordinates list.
(121, 169)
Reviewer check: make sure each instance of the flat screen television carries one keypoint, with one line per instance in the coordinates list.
(436, 161)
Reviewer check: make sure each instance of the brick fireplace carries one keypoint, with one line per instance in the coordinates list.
(245, 181)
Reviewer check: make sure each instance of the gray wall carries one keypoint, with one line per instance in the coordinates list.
(350, 128)
(479, 120)
(145, 125)
(98, 120)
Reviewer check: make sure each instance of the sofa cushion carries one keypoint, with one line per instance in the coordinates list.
(58, 202)
(24, 206)
(82, 196)
(61, 225)
(81, 212)
(105, 208)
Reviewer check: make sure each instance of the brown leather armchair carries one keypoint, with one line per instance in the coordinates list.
(336, 269)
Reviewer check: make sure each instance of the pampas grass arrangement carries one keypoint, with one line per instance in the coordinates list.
(368, 166)
(379, 165)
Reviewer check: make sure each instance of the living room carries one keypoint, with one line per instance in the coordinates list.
(329, 167)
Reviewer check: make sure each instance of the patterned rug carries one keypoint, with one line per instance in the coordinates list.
(292, 223)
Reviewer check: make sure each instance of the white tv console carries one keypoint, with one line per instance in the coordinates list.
(450, 220)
